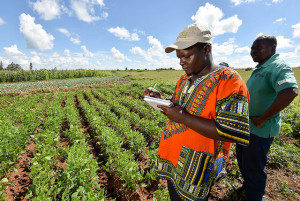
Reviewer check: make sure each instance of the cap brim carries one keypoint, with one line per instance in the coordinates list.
(180, 45)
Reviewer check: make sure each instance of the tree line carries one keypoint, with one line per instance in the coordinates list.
(12, 66)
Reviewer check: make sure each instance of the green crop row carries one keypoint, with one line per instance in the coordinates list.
(21, 123)
(38, 75)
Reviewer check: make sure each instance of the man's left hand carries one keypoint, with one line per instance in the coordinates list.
(257, 121)
(175, 113)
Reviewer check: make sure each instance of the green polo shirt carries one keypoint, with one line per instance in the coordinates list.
(265, 82)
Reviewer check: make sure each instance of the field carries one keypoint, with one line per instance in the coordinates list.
(96, 139)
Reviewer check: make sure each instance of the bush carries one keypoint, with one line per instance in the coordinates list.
(291, 116)
(249, 69)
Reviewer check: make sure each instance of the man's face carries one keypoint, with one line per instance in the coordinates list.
(261, 51)
(191, 60)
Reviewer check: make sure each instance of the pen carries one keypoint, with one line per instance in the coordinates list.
(154, 86)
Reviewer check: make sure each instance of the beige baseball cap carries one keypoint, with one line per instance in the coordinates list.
(189, 36)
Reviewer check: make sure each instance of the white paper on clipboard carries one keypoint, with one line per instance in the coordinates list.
(153, 102)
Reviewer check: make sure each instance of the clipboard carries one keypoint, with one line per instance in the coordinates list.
(153, 102)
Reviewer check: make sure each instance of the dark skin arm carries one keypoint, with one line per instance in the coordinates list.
(283, 99)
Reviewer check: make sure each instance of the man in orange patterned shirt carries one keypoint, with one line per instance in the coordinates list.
(210, 112)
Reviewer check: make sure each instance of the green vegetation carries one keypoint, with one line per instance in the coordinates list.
(166, 75)
(111, 131)
(13, 67)
(38, 75)
(65, 84)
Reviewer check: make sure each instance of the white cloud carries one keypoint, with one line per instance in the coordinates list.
(34, 53)
(286, 55)
(1, 21)
(66, 53)
(245, 49)
(63, 60)
(124, 34)
(242, 62)
(139, 31)
(35, 36)
(296, 32)
(64, 31)
(280, 20)
(283, 42)
(100, 2)
(238, 2)
(118, 56)
(141, 52)
(226, 48)
(47, 9)
(13, 51)
(211, 16)
(55, 55)
(259, 34)
(276, 1)
(221, 59)
(85, 11)
(13, 54)
(156, 49)
(138, 51)
(135, 37)
(36, 60)
(154, 56)
(104, 15)
(236, 60)
(292, 57)
(86, 53)
(76, 41)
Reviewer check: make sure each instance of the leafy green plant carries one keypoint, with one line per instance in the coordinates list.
(284, 188)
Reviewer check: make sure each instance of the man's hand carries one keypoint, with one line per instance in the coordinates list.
(257, 121)
(153, 93)
(175, 113)
(283, 99)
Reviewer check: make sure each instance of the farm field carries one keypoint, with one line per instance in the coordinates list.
(97, 140)
(61, 84)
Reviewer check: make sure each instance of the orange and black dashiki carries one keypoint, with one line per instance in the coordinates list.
(188, 159)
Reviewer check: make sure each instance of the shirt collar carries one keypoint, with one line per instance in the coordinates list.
(270, 60)
(196, 81)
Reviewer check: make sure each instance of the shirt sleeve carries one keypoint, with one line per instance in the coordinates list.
(232, 114)
(283, 78)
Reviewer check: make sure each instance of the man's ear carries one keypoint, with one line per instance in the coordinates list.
(274, 49)
(207, 49)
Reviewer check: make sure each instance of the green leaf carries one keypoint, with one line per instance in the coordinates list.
(4, 180)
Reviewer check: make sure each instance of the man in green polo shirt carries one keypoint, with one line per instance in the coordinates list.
(272, 87)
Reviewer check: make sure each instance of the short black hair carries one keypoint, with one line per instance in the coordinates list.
(270, 39)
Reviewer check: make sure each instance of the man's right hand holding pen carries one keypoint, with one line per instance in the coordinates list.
(151, 91)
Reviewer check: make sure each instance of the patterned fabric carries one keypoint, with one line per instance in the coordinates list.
(231, 118)
(187, 158)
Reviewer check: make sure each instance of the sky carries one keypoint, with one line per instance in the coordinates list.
(132, 34)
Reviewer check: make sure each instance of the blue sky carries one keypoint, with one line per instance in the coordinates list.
(104, 34)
